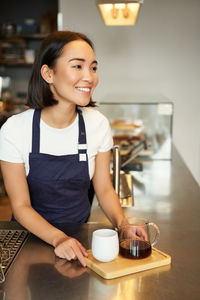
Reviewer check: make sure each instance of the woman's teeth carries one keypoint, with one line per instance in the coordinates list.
(83, 89)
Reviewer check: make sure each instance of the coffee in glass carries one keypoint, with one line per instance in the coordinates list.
(135, 240)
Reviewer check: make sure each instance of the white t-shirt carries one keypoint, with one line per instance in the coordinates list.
(16, 137)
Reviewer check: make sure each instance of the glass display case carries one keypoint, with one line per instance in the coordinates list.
(141, 129)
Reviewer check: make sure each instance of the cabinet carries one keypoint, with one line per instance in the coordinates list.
(16, 51)
(147, 124)
(23, 25)
(17, 54)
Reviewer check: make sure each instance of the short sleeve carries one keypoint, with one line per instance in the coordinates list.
(106, 136)
(9, 143)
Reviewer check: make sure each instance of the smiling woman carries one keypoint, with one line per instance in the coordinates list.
(74, 77)
(51, 152)
(52, 54)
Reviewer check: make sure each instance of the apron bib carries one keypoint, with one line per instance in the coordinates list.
(59, 185)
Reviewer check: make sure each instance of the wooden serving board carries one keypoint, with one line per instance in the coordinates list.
(123, 266)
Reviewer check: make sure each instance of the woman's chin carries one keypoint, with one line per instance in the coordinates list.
(83, 103)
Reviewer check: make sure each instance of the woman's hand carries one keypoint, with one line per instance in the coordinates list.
(71, 249)
(141, 233)
(127, 232)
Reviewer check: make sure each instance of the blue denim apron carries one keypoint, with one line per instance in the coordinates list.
(59, 185)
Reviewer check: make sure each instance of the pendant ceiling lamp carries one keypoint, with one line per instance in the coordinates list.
(119, 12)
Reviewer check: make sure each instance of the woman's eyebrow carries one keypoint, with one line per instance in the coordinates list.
(82, 59)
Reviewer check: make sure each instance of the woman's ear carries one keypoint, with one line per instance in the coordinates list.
(47, 74)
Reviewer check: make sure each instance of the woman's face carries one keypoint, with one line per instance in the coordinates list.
(75, 77)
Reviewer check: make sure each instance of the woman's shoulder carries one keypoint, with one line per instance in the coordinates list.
(93, 114)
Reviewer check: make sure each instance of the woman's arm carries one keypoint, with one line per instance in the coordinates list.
(105, 192)
(17, 188)
(108, 198)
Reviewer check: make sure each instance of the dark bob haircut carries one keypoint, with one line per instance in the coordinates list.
(39, 93)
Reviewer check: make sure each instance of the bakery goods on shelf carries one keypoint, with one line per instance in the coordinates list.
(126, 124)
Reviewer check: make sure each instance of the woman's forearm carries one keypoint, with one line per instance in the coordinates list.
(106, 195)
(37, 225)
(111, 206)
(18, 193)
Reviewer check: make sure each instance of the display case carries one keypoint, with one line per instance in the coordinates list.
(141, 129)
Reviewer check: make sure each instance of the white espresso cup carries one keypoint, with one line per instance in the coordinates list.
(105, 244)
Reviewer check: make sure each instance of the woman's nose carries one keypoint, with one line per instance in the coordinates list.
(88, 75)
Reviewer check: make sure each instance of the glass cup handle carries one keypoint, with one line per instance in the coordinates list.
(157, 233)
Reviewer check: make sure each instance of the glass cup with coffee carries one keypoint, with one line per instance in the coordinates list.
(137, 238)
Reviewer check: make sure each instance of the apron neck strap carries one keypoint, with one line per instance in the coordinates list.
(82, 132)
(82, 146)
(36, 131)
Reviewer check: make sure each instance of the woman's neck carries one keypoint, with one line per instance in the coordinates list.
(58, 116)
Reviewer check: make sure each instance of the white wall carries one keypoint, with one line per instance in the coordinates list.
(158, 59)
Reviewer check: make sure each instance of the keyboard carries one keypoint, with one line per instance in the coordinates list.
(11, 242)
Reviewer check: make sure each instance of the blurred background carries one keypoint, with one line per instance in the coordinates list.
(155, 61)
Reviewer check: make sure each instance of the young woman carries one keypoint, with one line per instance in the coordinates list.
(50, 152)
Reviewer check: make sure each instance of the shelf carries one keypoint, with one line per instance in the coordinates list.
(34, 36)
(16, 63)
(16, 46)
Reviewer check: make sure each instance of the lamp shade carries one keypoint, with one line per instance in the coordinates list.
(119, 12)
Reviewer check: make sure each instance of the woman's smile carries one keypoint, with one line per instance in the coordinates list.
(84, 89)
(75, 77)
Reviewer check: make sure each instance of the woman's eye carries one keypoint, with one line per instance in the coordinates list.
(77, 67)
(94, 69)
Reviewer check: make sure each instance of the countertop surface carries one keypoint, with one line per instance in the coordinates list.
(165, 193)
